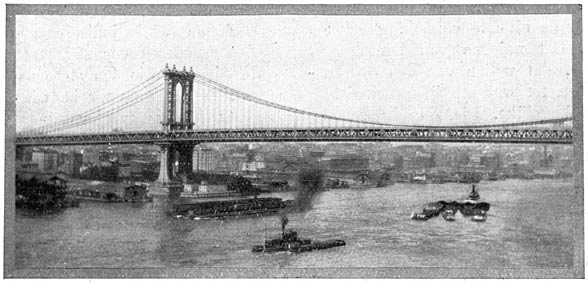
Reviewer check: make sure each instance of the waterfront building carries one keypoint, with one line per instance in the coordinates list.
(251, 166)
(46, 160)
(235, 160)
(24, 154)
(104, 156)
(346, 164)
(420, 161)
(90, 156)
(124, 171)
(71, 162)
(212, 188)
(205, 159)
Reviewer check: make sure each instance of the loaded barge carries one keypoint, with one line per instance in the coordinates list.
(230, 208)
(134, 193)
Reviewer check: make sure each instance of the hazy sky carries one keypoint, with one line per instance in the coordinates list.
(435, 70)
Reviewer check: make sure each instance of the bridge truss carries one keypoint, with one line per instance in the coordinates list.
(312, 135)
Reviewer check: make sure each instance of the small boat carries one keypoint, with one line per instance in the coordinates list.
(449, 215)
(480, 217)
(419, 216)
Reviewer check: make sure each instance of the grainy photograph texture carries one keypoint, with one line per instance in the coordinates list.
(331, 141)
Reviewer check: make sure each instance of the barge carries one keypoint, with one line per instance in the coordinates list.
(471, 206)
(134, 193)
(230, 208)
(95, 195)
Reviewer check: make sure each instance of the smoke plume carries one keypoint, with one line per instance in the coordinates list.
(311, 183)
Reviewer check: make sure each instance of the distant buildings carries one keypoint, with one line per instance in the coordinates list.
(205, 160)
(71, 163)
(235, 159)
(90, 156)
(283, 161)
(251, 166)
(46, 160)
(345, 164)
(419, 161)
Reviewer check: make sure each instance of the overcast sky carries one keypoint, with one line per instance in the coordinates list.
(421, 70)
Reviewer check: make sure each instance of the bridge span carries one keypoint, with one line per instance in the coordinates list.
(219, 113)
(529, 136)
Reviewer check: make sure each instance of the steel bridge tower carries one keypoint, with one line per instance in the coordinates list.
(176, 156)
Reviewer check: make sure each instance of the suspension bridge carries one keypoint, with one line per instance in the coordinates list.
(177, 109)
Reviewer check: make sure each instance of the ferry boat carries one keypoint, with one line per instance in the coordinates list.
(43, 194)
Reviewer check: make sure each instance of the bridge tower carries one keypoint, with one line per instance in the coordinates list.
(176, 156)
(175, 118)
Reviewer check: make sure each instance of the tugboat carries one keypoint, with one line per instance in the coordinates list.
(474, 195)
(291, 243)
(471, 205)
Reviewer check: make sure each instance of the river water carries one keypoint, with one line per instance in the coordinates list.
(529, 225)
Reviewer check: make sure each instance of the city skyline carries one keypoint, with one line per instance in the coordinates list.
(437, 70)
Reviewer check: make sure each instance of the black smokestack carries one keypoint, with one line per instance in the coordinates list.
(311, 182)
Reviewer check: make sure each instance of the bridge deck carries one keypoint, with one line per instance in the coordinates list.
(546, 136)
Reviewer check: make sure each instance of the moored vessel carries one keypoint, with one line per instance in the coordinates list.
(45, 194)
(95, 195)
(136, 193)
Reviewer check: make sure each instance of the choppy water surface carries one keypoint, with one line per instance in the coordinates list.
(529, 225)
